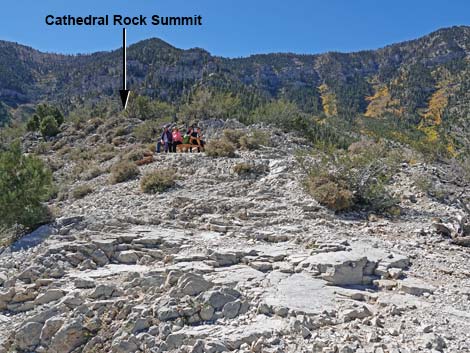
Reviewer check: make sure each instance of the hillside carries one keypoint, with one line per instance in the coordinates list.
(234, 257)
(328, 210)
(424, 80)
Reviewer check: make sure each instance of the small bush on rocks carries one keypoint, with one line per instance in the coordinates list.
(245, 168)
(220, 148)
(233, 136)
(357, 179)
(158, 181)
(123, 171)
(330, 194)
(249, 143)
(93, 172)
(81, 191)
(120, 131)
(135, 154)
(254, 140)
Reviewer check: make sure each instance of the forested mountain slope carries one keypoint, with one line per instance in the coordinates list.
(423, 81)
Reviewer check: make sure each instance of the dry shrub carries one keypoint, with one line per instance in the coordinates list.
(233, 136)
(158, 181)
(81, 191)
(123, 171)
(220, 148)
(330, 194)
(245, 168)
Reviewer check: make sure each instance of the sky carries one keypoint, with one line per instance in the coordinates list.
(236, 28)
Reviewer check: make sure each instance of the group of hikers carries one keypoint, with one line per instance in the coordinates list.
(171, 138)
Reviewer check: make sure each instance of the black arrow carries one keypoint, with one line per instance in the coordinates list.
(124, 92)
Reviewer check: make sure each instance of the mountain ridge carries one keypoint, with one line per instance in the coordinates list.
(402, 80)
(465, 28)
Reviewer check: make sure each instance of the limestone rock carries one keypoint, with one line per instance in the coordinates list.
(51, 326)
(415, 287)
(231, 309)
(27, 337)
(49, 296)
(356, 313)
(192, 284)
(69, 337)
(128, 257)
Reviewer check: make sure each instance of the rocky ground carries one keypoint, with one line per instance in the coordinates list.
(235, 263)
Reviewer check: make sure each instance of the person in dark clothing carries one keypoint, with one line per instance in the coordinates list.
(197, 138)
(194, 137)
(166, 140)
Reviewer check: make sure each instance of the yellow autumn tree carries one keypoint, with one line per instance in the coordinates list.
(436, 106)
(381, 102)
(328, 100)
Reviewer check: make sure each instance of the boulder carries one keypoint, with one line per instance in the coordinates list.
(104, 291)
(192, 284)
(49, 296)
(51, 326)
(106, 245)
(175, 340)
(69, 337)
(231, 309)
(261, 266)
(167, 313)
(124, 346)
(206, 313)
(84, 283)
(356, 313)
(217, 299)
(415, 286)
(28, 336)
(128, 257)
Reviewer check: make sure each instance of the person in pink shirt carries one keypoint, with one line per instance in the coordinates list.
(177, 138)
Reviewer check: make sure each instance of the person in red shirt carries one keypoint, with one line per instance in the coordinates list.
(177, 138)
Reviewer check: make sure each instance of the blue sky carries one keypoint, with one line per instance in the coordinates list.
(237, 28)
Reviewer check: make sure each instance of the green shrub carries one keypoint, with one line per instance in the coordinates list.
(25, 183)
(104, 153)
(281, 113)
(123, 171)
(81, 191)
(158, 181)
(120, 131)
(33, 123)
(44, 110)
(49, 126)
(43, 148)
(220, 148)
(47, 120)
(150, 130)
(261, 137)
